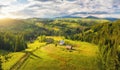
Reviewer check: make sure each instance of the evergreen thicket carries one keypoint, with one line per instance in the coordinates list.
(107, 36)
(12, 42)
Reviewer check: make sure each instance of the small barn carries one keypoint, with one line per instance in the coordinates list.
(61, 42)
(68, 47)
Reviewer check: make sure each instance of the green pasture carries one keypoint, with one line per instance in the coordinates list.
(51, 57)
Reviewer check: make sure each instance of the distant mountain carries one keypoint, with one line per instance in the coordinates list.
(107, 18)
(97, 12)
(111, 19)
(92, 17)
(69, 16)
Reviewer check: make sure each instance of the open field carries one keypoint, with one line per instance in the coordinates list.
(12, 59)
(9, 59)
(50, 57)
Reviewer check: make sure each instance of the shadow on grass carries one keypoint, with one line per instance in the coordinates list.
(35, 55)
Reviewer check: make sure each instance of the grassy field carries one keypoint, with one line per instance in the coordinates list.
(49, 57)
(10, 58)
(34, 45)
(44, 56)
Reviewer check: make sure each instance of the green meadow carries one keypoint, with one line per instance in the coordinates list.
(9, 59)
(51, 57)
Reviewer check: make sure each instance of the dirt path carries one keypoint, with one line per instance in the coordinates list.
(18, 64)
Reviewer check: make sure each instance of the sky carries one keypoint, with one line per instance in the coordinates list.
(59, 8)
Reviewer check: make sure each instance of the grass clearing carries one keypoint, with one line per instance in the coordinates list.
(12, 59)
(34, 45)
(50, 57)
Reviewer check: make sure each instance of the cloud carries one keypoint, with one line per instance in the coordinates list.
(56, 8)
(2, 6)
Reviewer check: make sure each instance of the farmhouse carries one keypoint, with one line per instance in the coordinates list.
(61, 42)
(68, 47)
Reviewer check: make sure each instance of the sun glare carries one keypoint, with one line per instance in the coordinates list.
(2, 17)
(8, 16)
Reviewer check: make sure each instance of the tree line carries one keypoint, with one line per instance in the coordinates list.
(12, 42)
(107, 36)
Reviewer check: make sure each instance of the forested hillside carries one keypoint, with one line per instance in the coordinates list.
(107, 36)
(15, 34)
